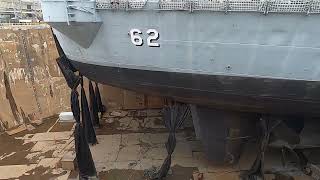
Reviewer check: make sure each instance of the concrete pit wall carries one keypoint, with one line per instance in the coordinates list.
(32, 86)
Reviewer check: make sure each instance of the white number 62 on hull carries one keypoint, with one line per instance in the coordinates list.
(153, 36)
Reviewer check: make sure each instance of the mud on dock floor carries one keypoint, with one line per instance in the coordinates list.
(131, 146)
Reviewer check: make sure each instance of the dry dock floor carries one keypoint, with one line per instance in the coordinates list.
(131, 147)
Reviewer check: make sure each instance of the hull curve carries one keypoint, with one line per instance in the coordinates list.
(240, 61)
(250, 94)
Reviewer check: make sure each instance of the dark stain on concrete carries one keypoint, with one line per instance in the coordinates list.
(178, 173)
(26, 119)
(51, 91)
(14, 145)
(40, 173)
(31, 63)
(22, 150)
(3, 125)
(11, 99)
(158, 121)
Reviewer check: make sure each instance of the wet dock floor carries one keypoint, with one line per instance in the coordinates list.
(131, 146)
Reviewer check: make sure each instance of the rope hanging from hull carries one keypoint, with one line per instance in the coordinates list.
(83, 154)
(94, 106)
(102, 109)
(173, 117)
(84, 132)
(267, 125)
(86, 118)
(257, 169)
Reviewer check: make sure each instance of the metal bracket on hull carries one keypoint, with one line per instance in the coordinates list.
(83, 9)
(265, 7)
(226, 6)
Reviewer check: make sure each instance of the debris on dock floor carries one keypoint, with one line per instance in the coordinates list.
(131, 146)
(36, 154)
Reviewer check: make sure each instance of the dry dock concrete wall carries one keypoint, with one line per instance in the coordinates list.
(32, 86)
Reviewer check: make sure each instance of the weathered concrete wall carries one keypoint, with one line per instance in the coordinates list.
(31, 84)
(117, 98)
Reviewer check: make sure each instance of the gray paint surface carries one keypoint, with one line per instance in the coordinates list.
(284, 46)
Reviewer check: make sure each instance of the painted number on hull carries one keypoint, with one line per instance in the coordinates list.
(153, 36)
(136, 39)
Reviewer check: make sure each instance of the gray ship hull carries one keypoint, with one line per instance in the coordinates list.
(234, 55)
(263, 95)
(254, 56)
(242, 61)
